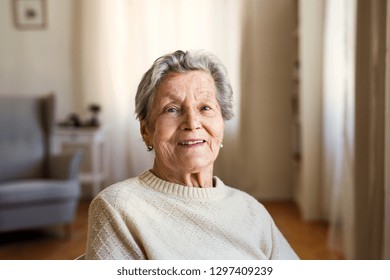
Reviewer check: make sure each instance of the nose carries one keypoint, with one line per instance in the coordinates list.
(191, 120)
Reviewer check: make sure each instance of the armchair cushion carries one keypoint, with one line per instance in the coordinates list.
(36, 191)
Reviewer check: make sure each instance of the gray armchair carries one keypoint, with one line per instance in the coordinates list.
(37, 189)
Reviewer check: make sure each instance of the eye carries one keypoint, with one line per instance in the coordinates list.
(172, 110)
(206, 108)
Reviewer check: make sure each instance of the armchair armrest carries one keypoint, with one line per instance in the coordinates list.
(65, 166)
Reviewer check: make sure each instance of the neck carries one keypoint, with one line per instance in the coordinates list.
(199, 179)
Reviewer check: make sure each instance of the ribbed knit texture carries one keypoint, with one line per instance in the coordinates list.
(148, 218)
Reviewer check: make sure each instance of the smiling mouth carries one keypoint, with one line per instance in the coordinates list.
(189, 143)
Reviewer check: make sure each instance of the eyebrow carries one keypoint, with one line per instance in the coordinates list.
(170, 95)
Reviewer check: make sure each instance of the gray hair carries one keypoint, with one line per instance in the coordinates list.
(182, 62)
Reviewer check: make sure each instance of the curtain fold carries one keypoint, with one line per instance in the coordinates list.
(370, 128)
(339, 122)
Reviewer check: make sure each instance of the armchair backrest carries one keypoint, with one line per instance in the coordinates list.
(26, 125)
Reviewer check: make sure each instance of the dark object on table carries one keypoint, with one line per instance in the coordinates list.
(94, 109)
(73, 120)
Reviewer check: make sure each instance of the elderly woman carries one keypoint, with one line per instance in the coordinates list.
(178, 210)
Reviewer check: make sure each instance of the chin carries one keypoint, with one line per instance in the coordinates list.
(195, 166)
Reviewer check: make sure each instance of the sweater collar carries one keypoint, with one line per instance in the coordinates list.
(166, 187)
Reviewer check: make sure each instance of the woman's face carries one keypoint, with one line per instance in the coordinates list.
(185, 126)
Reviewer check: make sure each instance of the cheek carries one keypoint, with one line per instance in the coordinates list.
(217, 132)
(163, 132)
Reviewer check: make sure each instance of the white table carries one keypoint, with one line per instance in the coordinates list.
(93, 143)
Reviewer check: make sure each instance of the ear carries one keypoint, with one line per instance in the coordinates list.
(146, 133)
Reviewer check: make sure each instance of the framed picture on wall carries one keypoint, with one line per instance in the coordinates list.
(29, 14)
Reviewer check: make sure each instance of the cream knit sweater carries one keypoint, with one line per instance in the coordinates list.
(148, 218)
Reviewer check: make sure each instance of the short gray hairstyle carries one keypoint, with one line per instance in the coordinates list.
(182, 62)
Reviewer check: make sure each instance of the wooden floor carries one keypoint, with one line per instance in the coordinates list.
(307, 239)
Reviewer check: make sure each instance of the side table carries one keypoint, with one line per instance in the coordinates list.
(93, 142)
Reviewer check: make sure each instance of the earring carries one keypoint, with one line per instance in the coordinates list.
(149, 148)
(221, 146)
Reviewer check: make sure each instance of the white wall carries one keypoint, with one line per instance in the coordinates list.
(34, 62)
(310, 52)
(266, 91)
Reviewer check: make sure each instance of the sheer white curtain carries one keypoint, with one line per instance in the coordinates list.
(338, 121)
(120, 40)
(106, 76)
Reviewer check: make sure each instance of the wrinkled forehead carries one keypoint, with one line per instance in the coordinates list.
(197, 81)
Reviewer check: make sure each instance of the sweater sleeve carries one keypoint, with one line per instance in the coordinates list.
(108, 236)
